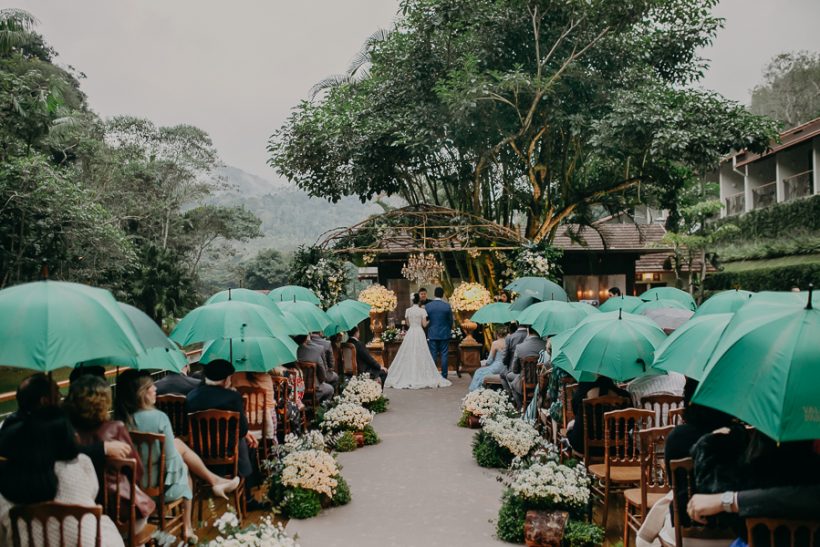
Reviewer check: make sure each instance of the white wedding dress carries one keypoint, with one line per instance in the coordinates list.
(413, 367)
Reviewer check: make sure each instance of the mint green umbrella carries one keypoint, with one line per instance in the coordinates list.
(309, 314)
(670, 293)
(765, 370)
(251, 354)
(618, 345)
(586, 309)
(232, 319)
(625, 302)
(46, 325)
(290, 293)
(540, 288)
(724, 302)
(687, 350)
(497, 312)
(662, 304)
(345, 315)
(245, 295)
(551, 317)
(560, 360)
(522, 303)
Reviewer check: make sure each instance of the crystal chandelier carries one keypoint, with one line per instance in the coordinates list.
(422, 268)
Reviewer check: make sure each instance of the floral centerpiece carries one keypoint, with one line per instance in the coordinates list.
(380, 298)
(347, 416)
(484, 402)
(366, 392)
(264, 534)
(503, 439)
(391, 334)
(466, 299)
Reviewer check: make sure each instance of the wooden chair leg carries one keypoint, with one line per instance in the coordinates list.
(626, 523)
(606, 505)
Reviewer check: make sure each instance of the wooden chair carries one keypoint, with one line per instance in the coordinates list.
(215, 437)
(675, 416)
(763, 532)
(282, 395)
(310, 398)
(337, 358)
(66, 533)
(654, 482)
(662, 405)
(174, 407)
(151, 448)
(567, 391)
(683, 485)
(622, 466)
(529, 378)
(595, 423)
(121, 506)
(256, 406)
(348, 360)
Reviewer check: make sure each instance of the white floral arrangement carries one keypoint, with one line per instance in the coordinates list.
(486, 402)
(312, 440)
(470, 297)
(380, 298)
(312, 470)
(514, 434)
(347, 416)
(264, 534)
(529, 263)
(361, 390)
(551, 482)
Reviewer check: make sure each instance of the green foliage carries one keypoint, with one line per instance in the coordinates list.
(370, 436)
(788, 244)
(267, 270)
(788, 93)
(511, 518)
(800, 215)
(346, 442)
(489, 453)
(300, 503)
(342, 495)
(462, 421)
(378, 406)
(321, 271)
(276, 490)
(583, 534)
(766, 279)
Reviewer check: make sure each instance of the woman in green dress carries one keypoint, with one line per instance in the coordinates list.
(136, 397)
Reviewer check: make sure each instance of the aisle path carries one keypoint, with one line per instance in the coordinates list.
(419, 487)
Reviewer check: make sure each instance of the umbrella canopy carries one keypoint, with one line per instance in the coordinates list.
(670, 293)
(522, 303)
(245, 295)
(688, 349)
(251, 354)
(47, 325)
(539, 287)
(669, 319)
(618, 345)
(497, 312)
(160, 352)
(661, 304)
(345, 315)
(764, 370)
(586, 309)
(725, 302)
(291, 293)
(551, 317)
(231, 319)
(560, 360)
(626, 303)
(310, 315)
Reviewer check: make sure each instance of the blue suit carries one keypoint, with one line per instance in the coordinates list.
(439, 330)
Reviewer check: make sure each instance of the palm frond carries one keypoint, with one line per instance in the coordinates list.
(331, 81)
(15, 28)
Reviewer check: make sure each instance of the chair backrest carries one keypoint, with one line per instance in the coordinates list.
(255, 400)
(568, 387)
(529, 377)
(309, 375)
(282, 395)
(349, 365)
(56, 522)
(683, 485)
(675, 416)
(661, 405)
(337, 358)
(763, 532)
(174, 407)
(595, 424)
(151, 450)
(654, 479)
(215, 437)
(621, 435)
(119, 486)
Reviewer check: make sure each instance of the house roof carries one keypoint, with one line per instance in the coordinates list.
(789, 138)
(652, 263)
(611, 237)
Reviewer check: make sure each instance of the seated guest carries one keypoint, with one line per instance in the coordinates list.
(88, 404)
(215, 394)
(329, 361)
(136, 396)
(267, 413)
(588, 390)
(34, 392)
(46, 465)
(177, 384)
(531, 346)
(86, 370)
(312, 353)
(495, 361)
(365, 363)
(671, 383)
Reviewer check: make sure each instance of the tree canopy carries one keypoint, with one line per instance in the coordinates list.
(790, 92)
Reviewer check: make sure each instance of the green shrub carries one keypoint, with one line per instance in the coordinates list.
(316, 422)
(301, 503)
(342, 495)
(370, 436)
(583, 534)
(276, 490)
(346, 442)
(378, 406)
(511, 517)
(766, 279)
(462, 422)
(489, 453)
(771, 222)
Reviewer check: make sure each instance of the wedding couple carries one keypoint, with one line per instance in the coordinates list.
(414, 367)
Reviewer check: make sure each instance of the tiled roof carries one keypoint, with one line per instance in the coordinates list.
(614, 237)
(650, 263)
(789, 138)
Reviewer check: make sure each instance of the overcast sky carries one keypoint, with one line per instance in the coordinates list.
(236, 68)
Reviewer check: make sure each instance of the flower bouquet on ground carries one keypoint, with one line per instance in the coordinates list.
(502, 439)
(351, 417)
(364, 391)
(264, 534)
(484, 402)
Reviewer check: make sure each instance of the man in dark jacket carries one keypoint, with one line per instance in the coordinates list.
(176, 384)
(511, 341)
(364, 361)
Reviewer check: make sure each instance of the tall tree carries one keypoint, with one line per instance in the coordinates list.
(790, 92)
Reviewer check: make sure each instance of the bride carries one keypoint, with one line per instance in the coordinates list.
(413, 366)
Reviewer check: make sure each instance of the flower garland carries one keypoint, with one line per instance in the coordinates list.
(470, 297)
(361, 390)
(486, 402)
(514, 434)
(347, 416)
(312, 470)
(380, 298)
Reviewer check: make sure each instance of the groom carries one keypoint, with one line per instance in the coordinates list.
(440, 317)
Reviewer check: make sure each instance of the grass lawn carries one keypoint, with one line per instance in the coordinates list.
(745, 265)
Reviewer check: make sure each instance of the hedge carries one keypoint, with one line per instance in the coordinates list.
(800, 215)
(766, 279)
